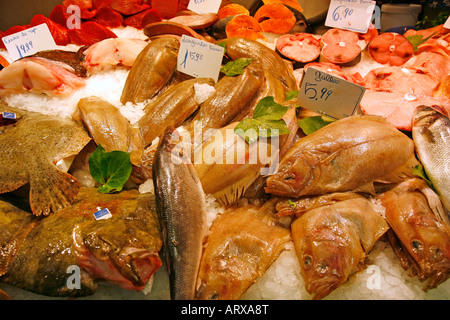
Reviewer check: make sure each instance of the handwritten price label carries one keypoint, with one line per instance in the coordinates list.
(329, 95)
(199, 58)
(204, 6)
(29, 41)
(354, 15)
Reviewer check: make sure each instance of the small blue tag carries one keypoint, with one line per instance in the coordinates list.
(9, 115)
(102, 214)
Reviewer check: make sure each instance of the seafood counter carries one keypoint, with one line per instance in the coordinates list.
(124, 178)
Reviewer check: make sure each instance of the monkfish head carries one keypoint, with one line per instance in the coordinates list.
(292, 177)
(113, 252)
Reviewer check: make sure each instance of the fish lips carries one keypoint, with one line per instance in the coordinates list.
(130, 268)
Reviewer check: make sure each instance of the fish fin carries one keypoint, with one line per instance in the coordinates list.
(366, 188)
(232, 193)
(52, 191)
(401, 173)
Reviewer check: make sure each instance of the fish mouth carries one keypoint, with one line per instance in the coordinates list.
(277, 187)
(322, 287)
(130, 268)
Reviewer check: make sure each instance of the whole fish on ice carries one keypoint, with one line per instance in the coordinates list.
(122, 249)
(347, 155)
(332, 240)
(420, 233)
(431, 135)
(181, 208)
(29, 151)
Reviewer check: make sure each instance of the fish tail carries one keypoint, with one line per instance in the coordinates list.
(52, 192)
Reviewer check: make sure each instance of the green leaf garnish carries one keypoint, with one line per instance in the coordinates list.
(312, 124)
(417, 39)
(224, 46)
(266, 121)
(292, 94)
(292, 204)
(111, 169)
(419, 171)
(236, 67)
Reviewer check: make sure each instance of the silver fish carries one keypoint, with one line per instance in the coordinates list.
(431, 135)
(181, 208)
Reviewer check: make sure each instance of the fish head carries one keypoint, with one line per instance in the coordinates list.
(324, 266)
(116, 251)
(292, 176)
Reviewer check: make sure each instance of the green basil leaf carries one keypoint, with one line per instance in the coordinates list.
(292, 94)
(111, 169)
(417, 39)
(236, 67)
(312, 124)
(224, 46)
(272, 128)
(248, 129)
(268, 109)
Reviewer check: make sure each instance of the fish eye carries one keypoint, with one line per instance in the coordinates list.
(289, 176)
(307, 261)
(417, 245)
(436, 252)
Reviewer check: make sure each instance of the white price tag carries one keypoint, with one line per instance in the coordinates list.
(199, 58)
(353, 15)
(329, 95)
(29, 41)
(447, 23)
(204, 6)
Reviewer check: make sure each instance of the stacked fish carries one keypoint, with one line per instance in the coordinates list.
(324, 194)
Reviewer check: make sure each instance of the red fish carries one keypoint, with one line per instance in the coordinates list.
(58, 32)
(108, 17)
(90, 33)
(141, 19)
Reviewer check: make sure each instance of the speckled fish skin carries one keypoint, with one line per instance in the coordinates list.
(123, 249)
(332, 240)
(420, 230)
(29, 150)
(346, 155)
(181, 208)
(152, 69)
(431, 135)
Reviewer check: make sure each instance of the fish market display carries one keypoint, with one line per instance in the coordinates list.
(29, 152)
(431, 135)
(229, 188)
(182, 214)
(422, 230)
(122, 249)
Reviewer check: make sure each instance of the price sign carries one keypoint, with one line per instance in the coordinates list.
(204, 6)
(199, 58)
(447, 23)
(329, 95)
(29, 41)
(353, 15)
